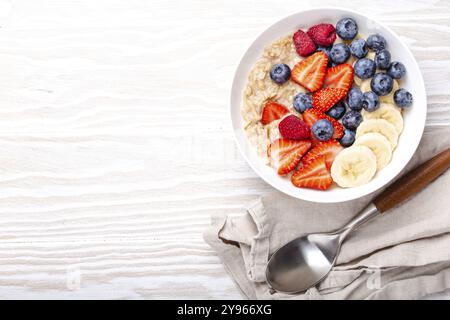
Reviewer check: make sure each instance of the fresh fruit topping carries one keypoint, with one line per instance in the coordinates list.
(379, 145)
(396, 70)
(383, 59)
(370, 101)
(303, 43)
(326, 50)
(337, 111)
(388, 112)
(354, 98)
(280, 73)
(346, 28)
(292, 127)
(348, 139)
(390, 97)
(352, 119)
(403, 98)
(339, 53)
(272, 111)
(340, 76)
(381, 84)
(311, 116)
(302, 101)
(322, 130)
(313, 174)
(376, 42)
(310, 73)
(354, 166)
(325, 98)
(285, 154)
(358, 48)
(322, 34)
(364, 68)
(382, 126)
(328, 149)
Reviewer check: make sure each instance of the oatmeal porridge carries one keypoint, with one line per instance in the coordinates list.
(324, 106)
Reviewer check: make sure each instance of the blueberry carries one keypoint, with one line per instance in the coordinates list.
(348, 138)
(339, 53)
(376, 42)
(358, 48)
(323, 130)
(326, 50)
(352, 119)
(370, 101)
(337, 111)
(396, 70)
(383, 59)
(403, 98)
(346, 28)
(280, 73)
(381, 84)
(364, 68)
(302, 101)
(354, 99)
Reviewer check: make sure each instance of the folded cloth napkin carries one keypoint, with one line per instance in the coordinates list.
(403, 254)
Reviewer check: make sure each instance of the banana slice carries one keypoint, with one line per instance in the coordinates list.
(381, 126)
(379, 145)
(365, 85)
(387, 112)
(389, 98)
(354, 166)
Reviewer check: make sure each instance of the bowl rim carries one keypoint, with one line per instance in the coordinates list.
(326, 199)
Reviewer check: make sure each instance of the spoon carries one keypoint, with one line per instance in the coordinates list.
(305, 261)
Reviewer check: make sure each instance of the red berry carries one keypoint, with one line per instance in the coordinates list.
(272, 111)
(329, 149)
(292, 127)
(325, 98)
(285, 154)
(310, 72)
(313, 174)
(340, 76)
(303, 43)
(322, 34)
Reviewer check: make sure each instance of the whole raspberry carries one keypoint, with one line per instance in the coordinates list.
(292, 127)
(322, 34)
(303, 43)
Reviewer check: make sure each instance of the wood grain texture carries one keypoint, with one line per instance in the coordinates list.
(115, 143)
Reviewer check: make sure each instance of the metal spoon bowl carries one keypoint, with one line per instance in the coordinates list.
(311, 257)
(305, 261)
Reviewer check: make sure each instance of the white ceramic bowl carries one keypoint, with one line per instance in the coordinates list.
(414, 117)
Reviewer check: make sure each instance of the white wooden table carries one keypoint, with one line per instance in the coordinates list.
(115, 146)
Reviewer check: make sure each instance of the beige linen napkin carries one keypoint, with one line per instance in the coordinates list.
(403, 254)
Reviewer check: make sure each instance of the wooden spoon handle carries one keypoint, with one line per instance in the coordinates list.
(413, 181)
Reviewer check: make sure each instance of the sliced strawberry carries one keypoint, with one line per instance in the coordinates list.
(340, 76)
(310, 116)
(272, 111)
(325, 98)
(285, 154)
(310, 73)
(313, 174)
(329, 149)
